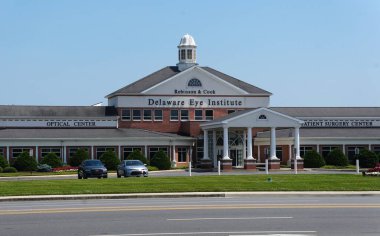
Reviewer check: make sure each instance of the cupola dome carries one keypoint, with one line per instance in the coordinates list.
(187, 56)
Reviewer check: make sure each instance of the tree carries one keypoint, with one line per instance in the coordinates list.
(161, 161)
(3, 162)
(367, 159)
(137, 155)
(110, 160)
(24, 162)
(78, 157)
(312, 159)
(52, 160)
(336, 158)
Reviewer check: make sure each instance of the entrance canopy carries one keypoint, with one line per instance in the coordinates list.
(248, 119)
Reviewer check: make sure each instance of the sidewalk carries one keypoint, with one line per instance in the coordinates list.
(189, 195)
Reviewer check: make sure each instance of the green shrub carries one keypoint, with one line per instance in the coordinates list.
(137, 155)
(52, 160)
(161, 161)
(3, 162)
(79, 157)
(336, 158)
(110, 160)
(44, 168)
(1, 169)
(9, 169)
(312, 159)
(152, 168)
(367, 159)
(24, 162)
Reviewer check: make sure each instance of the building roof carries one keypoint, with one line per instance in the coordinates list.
(326, 133)
(304, 112)
(50, 133)
(170, 71)
(56, 111)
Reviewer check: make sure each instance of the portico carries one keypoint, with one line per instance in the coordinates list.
(232, 138)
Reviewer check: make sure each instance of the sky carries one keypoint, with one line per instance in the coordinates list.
(306, 53)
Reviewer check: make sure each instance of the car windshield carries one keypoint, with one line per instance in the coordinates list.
(93, 163)
(133, 163)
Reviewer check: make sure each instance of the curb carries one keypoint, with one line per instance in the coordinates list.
(188, 195)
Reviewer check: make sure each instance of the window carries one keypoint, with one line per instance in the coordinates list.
(376, 149)
(198, 114)
(209, 114)
(183, 54)
(189, 54)
(182, 154)
(184, 115)
(17, 151)
(101, 150)
(154, 150)
(194, 83)
(158, 115)
(73, 151)
(304, 150)
(125, 114)
(56, 151)
(136, 115)
(174, 115)
(147, 115)
(262, 117)
(279, 153)
(230, 111)
(351, 152)
(128, 150)
(327, 149)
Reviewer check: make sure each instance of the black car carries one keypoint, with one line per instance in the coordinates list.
(92, 169)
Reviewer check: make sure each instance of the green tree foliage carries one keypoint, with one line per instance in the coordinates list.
(367, 159)
(3, 162)
(312, 159)
(24, 162)
(137, 155)
(78, 157)
(336, 158)
(110, 160)
(161, 161)
(52, 160)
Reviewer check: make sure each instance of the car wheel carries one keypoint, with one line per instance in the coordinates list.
(79, 176)
(84, 175)
(99, 177)
(105, 177)
(117, 174)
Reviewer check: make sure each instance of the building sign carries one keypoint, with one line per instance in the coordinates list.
(335, 123)
(180, 102)
(59, 123)
(197, 91)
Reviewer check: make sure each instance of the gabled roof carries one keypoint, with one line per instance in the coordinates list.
(304, 112)
(170, 71)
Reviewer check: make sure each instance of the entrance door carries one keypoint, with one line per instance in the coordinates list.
(237, 157)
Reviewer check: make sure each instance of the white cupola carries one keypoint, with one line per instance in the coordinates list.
(187, 56)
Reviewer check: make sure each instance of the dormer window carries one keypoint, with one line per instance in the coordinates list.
(194, 83)
(262, 117)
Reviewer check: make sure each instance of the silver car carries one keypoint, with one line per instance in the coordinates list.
(132, 168)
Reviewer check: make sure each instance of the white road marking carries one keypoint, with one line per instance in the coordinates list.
(233, 218)
(245, 233)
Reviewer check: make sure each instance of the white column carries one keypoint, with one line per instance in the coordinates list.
(297, 142)
(64, 154)
(258, 153)
(120, 153)
(245, 145)
(146, 151)
(249, 131)
(225, 144)
(290, 154)
(92, 152)
(37, 152)
(174, 162)
(273, 144)
(8, 152)
(205, 145)
(214, 148)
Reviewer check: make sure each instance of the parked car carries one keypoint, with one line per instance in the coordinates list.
(132, 168)
(92, 169)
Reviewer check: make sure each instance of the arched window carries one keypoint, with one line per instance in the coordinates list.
(262, 117)
(194, 83)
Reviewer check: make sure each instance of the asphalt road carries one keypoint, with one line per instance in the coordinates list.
(195, 216)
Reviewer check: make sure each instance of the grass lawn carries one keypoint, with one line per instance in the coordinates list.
(34, 173)
(301, 182)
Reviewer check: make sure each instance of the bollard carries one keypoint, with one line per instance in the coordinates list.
(266, 167)
(190, 168)
(357, 166)
(218, 167)
(295, 166)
